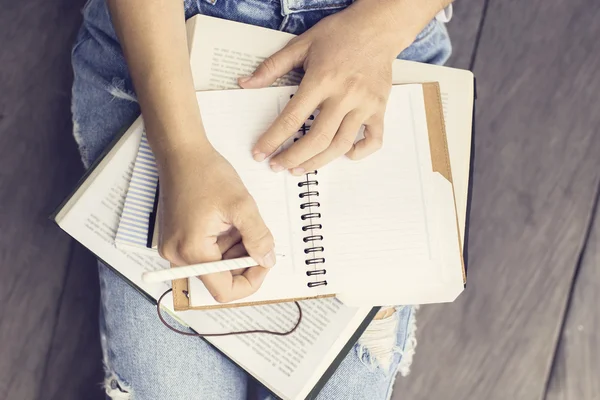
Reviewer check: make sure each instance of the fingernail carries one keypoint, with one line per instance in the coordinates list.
(297, 171)
(244, 79)
(259, 156)
(269, 260)
(276, 167)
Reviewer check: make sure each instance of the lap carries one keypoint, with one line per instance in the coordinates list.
(142, 356)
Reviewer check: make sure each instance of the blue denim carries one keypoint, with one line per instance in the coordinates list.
(143, 359)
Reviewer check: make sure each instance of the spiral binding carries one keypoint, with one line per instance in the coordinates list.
(312, 227)
(310, 206)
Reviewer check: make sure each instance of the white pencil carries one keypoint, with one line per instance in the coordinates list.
(189, 271)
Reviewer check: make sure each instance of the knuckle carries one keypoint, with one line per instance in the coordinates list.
(376, 142)
(263, 242)
(270, 144)
(167, 251)
(222, 296)
(188, 252)
(287, 161)
(269, 65)
(380, 100)
(343, 144)
(244, 205)
(320, 141)
(354, 83)
(352, 155)
(290, 121)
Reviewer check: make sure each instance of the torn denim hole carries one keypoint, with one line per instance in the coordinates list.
(118, 91)
(410, 344)
(115, 389)
(379, 345)
(83, 151)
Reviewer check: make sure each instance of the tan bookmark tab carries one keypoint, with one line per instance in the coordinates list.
(438, 144)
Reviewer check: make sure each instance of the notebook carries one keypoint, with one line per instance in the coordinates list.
(236, 54)
(291, 367)
(350, 226)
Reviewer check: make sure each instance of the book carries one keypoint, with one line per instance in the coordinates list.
(292, 367)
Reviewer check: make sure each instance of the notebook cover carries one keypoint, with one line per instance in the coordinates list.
(438, 145)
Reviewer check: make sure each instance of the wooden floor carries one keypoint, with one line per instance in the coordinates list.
(527, 326)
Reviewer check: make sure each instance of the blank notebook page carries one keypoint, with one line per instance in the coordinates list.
(234, 120)
(374, 210)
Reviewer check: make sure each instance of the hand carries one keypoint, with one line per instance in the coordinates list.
(347, 62)
(204, 212)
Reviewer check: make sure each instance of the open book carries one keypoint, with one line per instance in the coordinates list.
(292, 367)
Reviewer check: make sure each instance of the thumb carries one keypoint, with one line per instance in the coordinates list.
(290, 57)
(256, 237)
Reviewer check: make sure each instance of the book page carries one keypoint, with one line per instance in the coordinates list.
(236, 51)
(288, 365)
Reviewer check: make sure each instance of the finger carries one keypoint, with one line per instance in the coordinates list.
(290, 57)
(341, 144)
(288, 123)
(229, 239)
(238, 250)
(372, 142)
(256, 237)
(317, 140)
(226, 287)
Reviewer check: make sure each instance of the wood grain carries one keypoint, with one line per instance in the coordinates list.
(463, 29)
(536, 173)
(74, 367)
(38, 164)
(577, 364)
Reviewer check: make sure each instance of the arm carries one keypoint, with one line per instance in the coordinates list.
(153, 37)
(347, 58)
(200, 219)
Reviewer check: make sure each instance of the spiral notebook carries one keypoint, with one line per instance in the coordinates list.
(345, 229)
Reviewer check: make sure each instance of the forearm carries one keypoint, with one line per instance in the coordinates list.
(399, 21)
(153, 39)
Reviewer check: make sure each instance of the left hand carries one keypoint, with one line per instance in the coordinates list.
(347, 59)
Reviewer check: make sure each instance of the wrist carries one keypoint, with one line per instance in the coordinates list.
(182, 139)
(398, 22)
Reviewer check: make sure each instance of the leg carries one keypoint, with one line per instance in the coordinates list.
(143, 359)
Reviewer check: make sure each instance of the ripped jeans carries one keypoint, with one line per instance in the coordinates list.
(143, 359)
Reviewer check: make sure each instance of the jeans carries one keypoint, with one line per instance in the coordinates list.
(142, 358)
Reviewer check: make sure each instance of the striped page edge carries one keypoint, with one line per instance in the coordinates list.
(132, 233)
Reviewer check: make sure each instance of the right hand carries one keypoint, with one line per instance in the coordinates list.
(204, 209)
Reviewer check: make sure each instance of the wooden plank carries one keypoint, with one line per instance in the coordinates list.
(74, 367)
(536, 172)
(38, 164)
(463, 29)
(577, 364)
